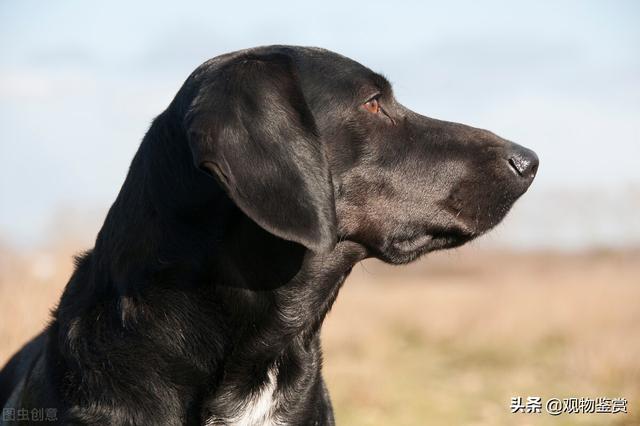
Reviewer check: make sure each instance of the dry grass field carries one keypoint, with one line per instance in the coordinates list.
(446, 341)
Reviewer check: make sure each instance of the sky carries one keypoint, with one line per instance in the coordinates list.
(80, 83)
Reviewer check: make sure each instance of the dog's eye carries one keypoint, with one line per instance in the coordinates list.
(373, 106)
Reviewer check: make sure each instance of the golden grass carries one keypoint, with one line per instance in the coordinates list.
(445, 341)
(449, 340)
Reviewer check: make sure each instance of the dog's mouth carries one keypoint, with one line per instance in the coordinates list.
(407, 248)
(432, 241)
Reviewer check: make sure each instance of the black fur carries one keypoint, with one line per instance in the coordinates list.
(250, 199)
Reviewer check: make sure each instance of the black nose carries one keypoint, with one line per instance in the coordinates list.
(523, 161)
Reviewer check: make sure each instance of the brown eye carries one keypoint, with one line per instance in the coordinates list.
(373, 106)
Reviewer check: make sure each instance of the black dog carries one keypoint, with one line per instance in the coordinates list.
(273, 171)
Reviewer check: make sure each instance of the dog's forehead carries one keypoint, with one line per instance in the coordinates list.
(326, 74)
(332, 66)
(326, 59)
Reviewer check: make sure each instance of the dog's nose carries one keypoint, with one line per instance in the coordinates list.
(523, 161)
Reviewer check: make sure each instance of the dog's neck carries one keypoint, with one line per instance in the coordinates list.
(242, 298)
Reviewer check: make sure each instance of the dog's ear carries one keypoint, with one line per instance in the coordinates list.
(251, 128)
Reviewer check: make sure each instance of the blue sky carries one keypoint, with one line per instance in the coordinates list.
(80, 82)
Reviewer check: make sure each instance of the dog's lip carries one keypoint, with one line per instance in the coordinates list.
(414, 243)
(433, 240)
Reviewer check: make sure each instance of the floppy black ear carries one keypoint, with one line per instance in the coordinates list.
(250, 127)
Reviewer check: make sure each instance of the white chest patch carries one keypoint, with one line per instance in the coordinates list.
(257, 410)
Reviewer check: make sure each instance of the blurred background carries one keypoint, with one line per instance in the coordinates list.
(546, 305)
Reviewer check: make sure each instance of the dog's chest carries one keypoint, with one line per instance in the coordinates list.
(258, 409)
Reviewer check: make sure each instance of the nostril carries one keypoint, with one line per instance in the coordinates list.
(522, 161)
(518, 164)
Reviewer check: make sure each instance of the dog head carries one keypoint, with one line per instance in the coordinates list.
(313, 147)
